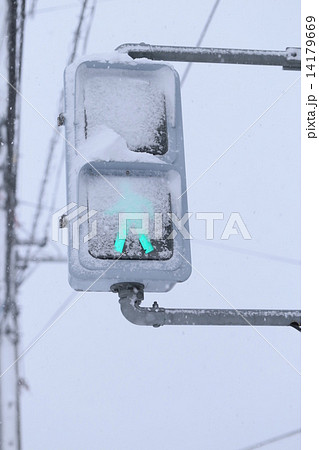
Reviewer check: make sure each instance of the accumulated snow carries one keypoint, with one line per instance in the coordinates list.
(114, 113)
(107, 145)
(114, 57)
(133, 108)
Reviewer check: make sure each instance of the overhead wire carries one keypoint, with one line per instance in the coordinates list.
(32, 8)
(87, 34)
(78, 32)
(273, 440)
(201, 37)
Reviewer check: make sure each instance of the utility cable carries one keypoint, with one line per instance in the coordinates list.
(201, 37)
(273, 440)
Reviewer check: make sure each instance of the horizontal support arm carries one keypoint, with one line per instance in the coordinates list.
(289, 59)
(131, 295)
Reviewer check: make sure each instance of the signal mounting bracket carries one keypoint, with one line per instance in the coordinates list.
(289, 59)
(132, 294)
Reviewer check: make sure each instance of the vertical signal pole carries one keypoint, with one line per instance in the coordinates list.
(9, 333)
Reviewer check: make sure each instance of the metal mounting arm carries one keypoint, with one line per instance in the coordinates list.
(132, 294)
(289, 59)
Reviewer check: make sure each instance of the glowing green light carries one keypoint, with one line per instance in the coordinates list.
(131, 203)
(119, 244)
(146, 243)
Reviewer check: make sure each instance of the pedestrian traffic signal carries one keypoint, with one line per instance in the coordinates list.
(125, 164)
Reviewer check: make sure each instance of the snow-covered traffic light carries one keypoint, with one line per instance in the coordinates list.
(126, 167)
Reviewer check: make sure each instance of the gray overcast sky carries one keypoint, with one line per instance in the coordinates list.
(98, 382)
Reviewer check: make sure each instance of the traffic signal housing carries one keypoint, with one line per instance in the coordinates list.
(126, 168)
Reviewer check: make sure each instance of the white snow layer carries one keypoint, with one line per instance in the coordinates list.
(108, 145)
(131, 107)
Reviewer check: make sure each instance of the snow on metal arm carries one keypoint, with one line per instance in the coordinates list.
(289, 59)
